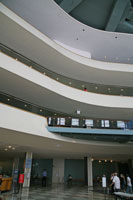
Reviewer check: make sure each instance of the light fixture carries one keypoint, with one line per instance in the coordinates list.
(9, 146)
(40, 110)
(111, 161)
(57, 78)
(105, 160)
(109, 89)
(92, 159)
(16, 59)
(78, 112)
(70, 83)
(13, 148)
(55, 114)
(96, 87)
(25, 105)
(83, 86)
(121, 89)
(6, 149)
(8, 99)
(99, 161)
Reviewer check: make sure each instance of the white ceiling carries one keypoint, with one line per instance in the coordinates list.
(54, 22)
(37, 50)
(50, 148)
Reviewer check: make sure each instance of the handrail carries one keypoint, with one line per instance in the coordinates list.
(91, 87)
(53, 114)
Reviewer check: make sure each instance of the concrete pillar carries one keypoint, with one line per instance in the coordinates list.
(58, 170)
(89, 171)
(27, 170)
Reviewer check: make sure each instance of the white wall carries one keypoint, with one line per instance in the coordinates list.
(58, 170)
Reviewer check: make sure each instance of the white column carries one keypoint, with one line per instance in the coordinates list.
(27, 170)
(58, 171)
(89, 172)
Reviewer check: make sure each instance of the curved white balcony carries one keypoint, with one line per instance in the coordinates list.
(21, 81)
(25, 39)
(27, 131)
(54, 22)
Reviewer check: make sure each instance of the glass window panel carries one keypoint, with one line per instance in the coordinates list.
(75, 122)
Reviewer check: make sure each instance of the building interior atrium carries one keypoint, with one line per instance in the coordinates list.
(66, 97)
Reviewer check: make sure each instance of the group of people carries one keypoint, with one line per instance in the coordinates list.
(118, 184)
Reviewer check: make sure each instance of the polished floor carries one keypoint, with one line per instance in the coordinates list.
(57, 192)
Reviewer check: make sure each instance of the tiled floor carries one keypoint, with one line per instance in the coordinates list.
(57, 192)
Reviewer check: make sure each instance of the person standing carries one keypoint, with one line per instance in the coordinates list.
(44, 178)
(116, 183)
(129, 185)
(104, 184)
(123, 182)
(111, 183)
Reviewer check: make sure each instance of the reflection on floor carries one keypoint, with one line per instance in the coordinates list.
(57, 192)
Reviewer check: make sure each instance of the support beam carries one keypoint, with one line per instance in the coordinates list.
(27, 170)
(117, 14)
(69, 5)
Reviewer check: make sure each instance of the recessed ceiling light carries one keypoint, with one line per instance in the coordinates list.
(13, 148)
(70, 83)
(105, 160)
(82, 85)
(6, 149)
(8, 99)
(109, 89)
(96, 87)
(40, 110)
(99, 161)
(57, 78)
(121, 89)
(16, 59)
(111, 161)
(55, 114)
(25, 105)
(9, 146)
(92, 159)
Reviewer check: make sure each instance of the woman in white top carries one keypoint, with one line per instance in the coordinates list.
(129, 185)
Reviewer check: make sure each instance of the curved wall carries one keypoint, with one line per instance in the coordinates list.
(21, 81)
(28, 41)
(51, 20)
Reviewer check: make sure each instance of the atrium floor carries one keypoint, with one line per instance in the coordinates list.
(57, 192)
